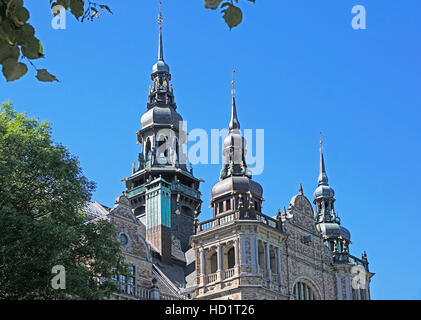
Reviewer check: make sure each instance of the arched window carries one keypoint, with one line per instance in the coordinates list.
(213, 262)
(148, 150)
(303, 291)
(231, 258)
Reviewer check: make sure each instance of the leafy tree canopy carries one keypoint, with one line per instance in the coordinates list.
(42, 196)
(19, 45)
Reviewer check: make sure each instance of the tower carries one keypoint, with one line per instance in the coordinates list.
(336, 237)
(239, 248)
(236, 189)
(352, 274)
(162, 191)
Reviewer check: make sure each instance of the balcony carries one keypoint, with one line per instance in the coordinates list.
(186, 190)
(135, 291)
(211, 278)
(231, 216)
(135, 191)
(229, 273)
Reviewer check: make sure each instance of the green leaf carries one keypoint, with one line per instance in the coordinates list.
(65, 3)
(31, 49)
(13, 70)
(45, 76)
(77, 8)
(212, 4)
(7, 51)
(12, 5)
(24, 34)
(232, 15)
(21, 15)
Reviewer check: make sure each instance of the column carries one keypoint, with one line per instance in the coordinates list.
(268, 260)
(307, 289)
(339, 287)
(202, 262)
(219, 257)
(301, 290)
(358, 293)
(236, 252)
(347, 288)
(257, 256)
(278, 253)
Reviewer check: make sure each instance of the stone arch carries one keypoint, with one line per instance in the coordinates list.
(229, 256)
(211, 261)
(261, 255)
(304, 288)
(163, 152)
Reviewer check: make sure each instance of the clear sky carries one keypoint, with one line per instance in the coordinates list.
(301, 69)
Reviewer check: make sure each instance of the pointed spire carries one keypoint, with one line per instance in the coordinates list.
(322, 175)
(300, 190)
(234, 123)
(160, 66)
(160, 47)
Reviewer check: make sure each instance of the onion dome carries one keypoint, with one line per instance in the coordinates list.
(235, 177)
(239, 184)
(323, 190)
(161, 116)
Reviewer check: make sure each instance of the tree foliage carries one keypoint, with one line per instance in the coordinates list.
(18, 44)
(231, 13)
(42, 196)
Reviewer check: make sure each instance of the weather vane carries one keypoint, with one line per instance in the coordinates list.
(233, 83)
(321, 142)
(160, 19)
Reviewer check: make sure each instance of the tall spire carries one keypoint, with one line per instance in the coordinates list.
(160, 47)
(322, 175)
(160, 66)
(336, 237)
(234, 123)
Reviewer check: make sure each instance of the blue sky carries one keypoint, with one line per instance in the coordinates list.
(301, 69)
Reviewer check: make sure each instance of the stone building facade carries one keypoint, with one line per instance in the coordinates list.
(241, 253)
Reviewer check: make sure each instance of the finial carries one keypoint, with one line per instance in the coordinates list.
(278, 214)
(321, 142)
(234, 123)
(322, 175)
(233, 83)
(160, 19)
(300, 189)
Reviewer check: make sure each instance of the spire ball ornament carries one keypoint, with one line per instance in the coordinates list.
(233, 83)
